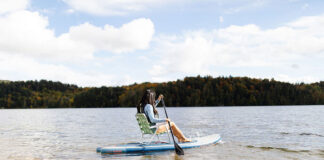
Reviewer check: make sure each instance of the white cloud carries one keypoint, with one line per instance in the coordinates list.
(157, 70)
(204, 52)
(12, 5)
(26, 40)
(18, 67)
(27, 33)
(136, 34)
(70, 11)
(114, 7)
(30, 50)
(221, 19)
(192, 55)
(124, 7)
(297, 79)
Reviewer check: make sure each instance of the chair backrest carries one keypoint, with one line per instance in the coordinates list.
(144, 124)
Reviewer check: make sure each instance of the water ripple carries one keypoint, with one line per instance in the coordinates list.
(311, 134)
(256, 132)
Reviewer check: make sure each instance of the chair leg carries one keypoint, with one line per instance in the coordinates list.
(142, 138)
(168, 133)
(153, 136)
(158, 137)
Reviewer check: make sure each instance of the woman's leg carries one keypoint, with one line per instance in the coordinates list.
(161, 129)
(176, 131)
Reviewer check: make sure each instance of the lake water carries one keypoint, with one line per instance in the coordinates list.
(272, 132)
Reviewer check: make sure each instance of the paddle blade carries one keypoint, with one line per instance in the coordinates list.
(178, 149)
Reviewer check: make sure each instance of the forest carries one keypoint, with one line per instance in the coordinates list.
(190, 91)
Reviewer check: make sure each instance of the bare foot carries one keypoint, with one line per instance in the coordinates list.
(185, 140)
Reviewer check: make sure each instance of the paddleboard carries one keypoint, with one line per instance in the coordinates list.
(158, 146)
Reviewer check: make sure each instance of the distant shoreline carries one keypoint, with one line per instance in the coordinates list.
(170, 107)
(189, 92)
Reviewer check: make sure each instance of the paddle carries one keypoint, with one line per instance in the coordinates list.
(177, 148)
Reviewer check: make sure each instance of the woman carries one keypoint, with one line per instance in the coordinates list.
(148, 107)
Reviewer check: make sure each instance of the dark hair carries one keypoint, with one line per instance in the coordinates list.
(147, 98)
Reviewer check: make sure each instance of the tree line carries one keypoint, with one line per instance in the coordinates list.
(191, 91)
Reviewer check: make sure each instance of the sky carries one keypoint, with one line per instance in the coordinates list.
(120, 42)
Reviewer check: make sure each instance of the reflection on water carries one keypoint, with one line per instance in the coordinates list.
(288, 132)
(145, 155)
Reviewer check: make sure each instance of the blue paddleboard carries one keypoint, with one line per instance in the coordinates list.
(159, 146)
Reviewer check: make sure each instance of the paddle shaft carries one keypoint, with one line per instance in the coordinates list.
(177, 148)
(166, 114)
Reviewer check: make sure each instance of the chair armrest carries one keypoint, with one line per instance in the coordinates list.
(160, 124)
(154, 126)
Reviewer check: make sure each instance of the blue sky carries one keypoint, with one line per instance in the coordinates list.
(98, 42)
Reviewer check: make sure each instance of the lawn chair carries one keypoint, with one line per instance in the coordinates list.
(146, 128)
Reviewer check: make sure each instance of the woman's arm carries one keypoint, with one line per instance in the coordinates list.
(158, 100)
(149, 112)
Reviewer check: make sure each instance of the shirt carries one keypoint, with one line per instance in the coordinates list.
(148, 110)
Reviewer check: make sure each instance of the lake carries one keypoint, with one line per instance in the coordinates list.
(265, 132)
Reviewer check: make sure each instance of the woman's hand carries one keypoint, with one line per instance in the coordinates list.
(160, 97)
(168, 120)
